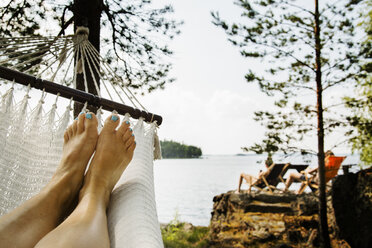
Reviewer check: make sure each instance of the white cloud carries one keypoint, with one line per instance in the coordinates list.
(220, 123)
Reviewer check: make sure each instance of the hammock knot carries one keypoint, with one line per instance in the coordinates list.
(81, 34)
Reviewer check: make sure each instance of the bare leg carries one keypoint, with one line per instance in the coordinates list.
(27, 224)
(87, 225)
(302, 188)
(240, 183)
(293, 176)
(249, 179)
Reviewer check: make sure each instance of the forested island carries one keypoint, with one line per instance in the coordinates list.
(172, 149)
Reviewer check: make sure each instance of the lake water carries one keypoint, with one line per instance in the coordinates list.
(186, 187)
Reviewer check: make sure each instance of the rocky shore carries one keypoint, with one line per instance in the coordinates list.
(262, 219)
(289, 220)
(283, 220)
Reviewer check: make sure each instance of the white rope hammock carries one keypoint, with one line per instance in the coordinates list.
(31, 137)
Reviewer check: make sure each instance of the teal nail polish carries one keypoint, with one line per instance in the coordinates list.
(127, 122)
(135, 142)
(114, 118)
(76, 119)
(132, 134)
(81, 113)
(131, 129)
(88, 116)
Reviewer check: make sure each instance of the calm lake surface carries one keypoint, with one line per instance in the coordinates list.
(186, 187)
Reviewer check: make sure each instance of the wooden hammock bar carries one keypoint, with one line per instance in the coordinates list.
(76, 95)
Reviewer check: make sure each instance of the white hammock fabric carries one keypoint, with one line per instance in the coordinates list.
(31, 146)
(30, 150)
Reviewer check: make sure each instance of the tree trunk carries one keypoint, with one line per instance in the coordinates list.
(87, 13)
(323, 223)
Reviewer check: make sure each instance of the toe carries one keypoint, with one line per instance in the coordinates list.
(69, 131)
(124, 127)
(128, 135)
(74, 127)
(128, 139)
(131, 145)
(111, 123)
(65, 137)
(90, 121)
(80, 122)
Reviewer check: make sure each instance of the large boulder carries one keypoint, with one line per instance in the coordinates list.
(263, 220)
(289, 220)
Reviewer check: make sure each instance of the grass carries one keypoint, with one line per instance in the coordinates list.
(182, 235)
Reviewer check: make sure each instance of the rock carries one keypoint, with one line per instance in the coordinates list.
(289, 220)
(188, 227)
(352, 203)
(267, 220)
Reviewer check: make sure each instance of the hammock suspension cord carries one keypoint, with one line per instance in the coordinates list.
(48, 55)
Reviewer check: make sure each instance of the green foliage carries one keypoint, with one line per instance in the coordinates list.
(282, 34)
(133, 33)
(361, 120)
(172, 149)
(175, 235)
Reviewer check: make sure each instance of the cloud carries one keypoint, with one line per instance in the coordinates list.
(220, 123)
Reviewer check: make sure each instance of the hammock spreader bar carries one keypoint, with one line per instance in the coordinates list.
(77, 95)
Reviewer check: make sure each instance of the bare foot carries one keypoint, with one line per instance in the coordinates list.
(114, 151)
(80, 141)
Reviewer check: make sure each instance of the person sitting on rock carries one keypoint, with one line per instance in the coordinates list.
(251, 180)
(303, 175)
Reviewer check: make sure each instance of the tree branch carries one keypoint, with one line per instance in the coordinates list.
(336, 64)
(5, 9)
(339, 81)
(65, 26)
(299, 7)
(286, 53)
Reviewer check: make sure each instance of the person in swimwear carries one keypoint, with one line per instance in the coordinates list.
(252, 179)
(303, 175)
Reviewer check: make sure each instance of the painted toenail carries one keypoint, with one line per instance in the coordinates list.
(76, 119)
(127, 122)
(81, 113)
(88, 116)
(114, 118)
(131, 129)
(132, 134)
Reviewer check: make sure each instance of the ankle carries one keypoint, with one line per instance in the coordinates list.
(60, 193)
(95, 190)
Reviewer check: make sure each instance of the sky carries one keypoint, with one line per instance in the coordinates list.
(210, 105)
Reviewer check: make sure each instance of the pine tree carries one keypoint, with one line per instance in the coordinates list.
(308, 52)
(361, 137)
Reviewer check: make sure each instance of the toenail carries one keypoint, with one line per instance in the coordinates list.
(127, 122)
(114, 118)
(76, 119)
(88, 116)
(132, 134)
(131, 129)
(81, 113)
